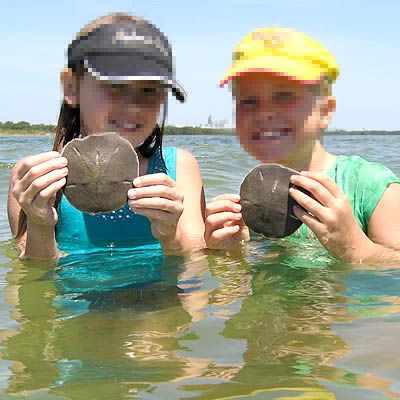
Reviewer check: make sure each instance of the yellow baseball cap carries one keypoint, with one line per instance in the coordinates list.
(283, 52)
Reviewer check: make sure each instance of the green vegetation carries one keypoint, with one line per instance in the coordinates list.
(25, 128)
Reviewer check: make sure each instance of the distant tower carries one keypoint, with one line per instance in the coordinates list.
(209, 121)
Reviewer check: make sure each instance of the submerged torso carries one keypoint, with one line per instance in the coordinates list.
(80, 232)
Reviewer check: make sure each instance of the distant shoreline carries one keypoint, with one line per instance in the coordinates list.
(189, 130)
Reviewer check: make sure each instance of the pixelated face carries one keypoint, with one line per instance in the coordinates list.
(278, 120)
(130, 109)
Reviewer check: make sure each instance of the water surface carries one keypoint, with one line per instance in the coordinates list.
(281, 321)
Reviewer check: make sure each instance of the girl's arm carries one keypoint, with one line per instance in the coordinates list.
(188, 180)
(34, 182)
(175, 209)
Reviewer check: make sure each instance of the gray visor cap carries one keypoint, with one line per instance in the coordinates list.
(127, 51)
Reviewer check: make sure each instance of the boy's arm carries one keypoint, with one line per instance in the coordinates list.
(330, 216)
(384, 228)
(225, 228)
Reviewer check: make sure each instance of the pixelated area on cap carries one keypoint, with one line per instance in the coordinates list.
(125, 51)
(284, 52)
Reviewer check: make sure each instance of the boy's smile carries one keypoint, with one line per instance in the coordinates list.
(278, 120)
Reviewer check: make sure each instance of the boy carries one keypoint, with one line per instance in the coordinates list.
(281, 82)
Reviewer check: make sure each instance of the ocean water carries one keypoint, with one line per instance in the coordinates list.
(280, 321)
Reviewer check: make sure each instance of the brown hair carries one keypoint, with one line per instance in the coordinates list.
(69, 120)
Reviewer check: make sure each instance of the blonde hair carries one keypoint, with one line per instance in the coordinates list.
(322, 88)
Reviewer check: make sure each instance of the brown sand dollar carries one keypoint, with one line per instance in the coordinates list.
(101, 168)
(267, 207)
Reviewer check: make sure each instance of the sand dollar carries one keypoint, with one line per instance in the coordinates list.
(101, 168)
(267, 207)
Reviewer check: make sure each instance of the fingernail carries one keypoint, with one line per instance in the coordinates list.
(304, 172)
(237, 207)
(131, 193)
(64, 161)
(64, 171)
(137, 181)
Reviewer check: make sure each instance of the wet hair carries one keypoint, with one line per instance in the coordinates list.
(69, 124)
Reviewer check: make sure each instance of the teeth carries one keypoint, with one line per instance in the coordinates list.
(270, 134)
(130, 126)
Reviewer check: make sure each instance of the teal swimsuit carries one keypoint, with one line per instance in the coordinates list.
(81, 233)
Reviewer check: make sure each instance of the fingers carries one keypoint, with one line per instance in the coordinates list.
(220, 219)
(318, 191)
(38, 185)
(320, 185)
(39, 170)
(156, 203)
(222, 204)
(228, 196)
(171, 193)
(222, 225)
(154, 214)
(312, 222)
(309, 204)
(24, 165)
(44, 196)
(220, 237)
(154, 179)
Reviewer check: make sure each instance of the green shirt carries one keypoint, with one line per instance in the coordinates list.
(363, 183)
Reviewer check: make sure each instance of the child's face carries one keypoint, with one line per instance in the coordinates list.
(130, 109)
(278, 120)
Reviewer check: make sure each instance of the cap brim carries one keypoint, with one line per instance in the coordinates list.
(121, 68)
(298, 70)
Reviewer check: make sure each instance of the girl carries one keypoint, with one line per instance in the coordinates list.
(119, 70)
(281, 82)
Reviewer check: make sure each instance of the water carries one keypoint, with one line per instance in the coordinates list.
(279, 322)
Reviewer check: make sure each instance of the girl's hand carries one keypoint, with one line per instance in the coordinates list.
(35, 180)
(225, 227)
(157, 197)
(329, 215)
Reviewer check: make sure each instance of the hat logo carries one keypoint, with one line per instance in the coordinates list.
(126, 35)
(130, 35)
(271, 40)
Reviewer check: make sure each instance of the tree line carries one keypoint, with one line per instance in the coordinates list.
(27, 128)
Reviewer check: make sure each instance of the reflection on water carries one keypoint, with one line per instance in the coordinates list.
(266, 324)
(282, 320)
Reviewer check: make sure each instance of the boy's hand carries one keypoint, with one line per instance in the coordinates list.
(225, 227)
(329, 215)
(157, 197)
(35, 180)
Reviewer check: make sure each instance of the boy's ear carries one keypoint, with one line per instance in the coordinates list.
(70, 84)
(327, 110)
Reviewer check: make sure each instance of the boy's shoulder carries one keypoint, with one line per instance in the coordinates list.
(360, 168)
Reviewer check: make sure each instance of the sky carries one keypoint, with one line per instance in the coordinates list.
(363, 36)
